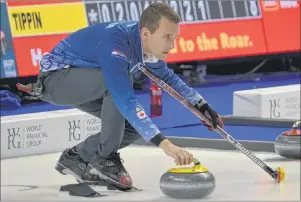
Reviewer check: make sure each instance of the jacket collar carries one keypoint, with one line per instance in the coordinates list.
(138, 50)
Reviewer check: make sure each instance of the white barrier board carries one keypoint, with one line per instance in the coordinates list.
(281, 102)
(45, 132)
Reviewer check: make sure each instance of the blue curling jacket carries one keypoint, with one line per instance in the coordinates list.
(115, 48)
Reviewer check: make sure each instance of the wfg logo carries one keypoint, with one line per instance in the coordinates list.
(275, 108)
(74, 130)
(14, 138)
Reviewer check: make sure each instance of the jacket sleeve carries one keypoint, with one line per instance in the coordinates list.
(113, 58)
(161, 70)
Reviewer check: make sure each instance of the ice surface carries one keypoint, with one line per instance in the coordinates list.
(237, 177)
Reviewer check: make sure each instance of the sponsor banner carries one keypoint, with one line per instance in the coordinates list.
(33, 134)
(281, 102)
(7, 55)
(207, 27)
(281, 22)
(46, 19)
(29, 52)
(35, 2)
(204, 41)
(26, 137)
(283, 105)
(80, 128)
(215, 18)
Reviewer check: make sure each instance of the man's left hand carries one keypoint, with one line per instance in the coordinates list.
(210, 114)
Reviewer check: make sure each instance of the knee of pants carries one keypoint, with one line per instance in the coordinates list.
(47, 97)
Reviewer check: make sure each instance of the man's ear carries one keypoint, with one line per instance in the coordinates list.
(145, 33)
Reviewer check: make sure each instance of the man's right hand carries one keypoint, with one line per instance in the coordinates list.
(181, 156)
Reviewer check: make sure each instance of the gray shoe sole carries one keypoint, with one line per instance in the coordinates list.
(109, 180)
(66, 171)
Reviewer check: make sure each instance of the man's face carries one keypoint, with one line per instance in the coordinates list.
(162, 40)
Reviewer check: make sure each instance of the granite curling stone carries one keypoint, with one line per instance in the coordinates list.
(188, 183)
(288, 143)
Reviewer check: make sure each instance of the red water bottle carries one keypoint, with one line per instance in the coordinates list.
(156, 100)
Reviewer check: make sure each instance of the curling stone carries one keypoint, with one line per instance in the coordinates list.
(188, 183)
(288, 143)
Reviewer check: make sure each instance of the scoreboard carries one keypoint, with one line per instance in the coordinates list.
(190, 11)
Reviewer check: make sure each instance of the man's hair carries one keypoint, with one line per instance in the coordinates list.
(152, 15)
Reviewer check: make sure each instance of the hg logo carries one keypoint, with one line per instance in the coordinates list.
(14, 138)
(275, 108)
(74, 130)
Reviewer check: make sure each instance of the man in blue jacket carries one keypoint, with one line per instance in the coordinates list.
(91, 70)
